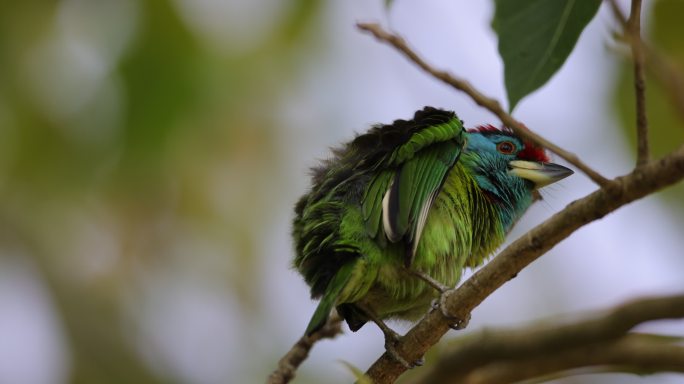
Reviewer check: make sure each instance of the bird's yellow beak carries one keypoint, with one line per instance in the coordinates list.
(541, 174)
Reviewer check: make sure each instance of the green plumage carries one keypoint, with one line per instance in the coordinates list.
(415, 194)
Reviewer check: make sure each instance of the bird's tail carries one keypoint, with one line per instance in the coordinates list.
(329, 299)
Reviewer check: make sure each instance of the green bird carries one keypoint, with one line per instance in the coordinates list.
(407, 204)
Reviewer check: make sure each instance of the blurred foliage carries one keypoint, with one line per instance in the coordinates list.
(124, 132)
(666, 128)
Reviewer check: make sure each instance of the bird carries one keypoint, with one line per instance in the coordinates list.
(395, 215)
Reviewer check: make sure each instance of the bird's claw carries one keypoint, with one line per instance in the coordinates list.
(391, 340)
(430, 281)
(455, 322)
(458, 324)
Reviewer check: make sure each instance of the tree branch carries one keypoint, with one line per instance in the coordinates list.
(288, 364)
(480, 99)
(547, 348)
(460, 302)
(632, 353)
(632, 28)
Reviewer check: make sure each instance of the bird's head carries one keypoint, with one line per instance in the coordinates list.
(507, 167)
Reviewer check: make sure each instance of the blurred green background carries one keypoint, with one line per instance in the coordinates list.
(151, 151)
(138, 150)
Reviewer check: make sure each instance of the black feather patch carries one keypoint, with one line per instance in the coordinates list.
(381, 139)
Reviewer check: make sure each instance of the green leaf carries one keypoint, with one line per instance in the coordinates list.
(666, 130)
(535, 39)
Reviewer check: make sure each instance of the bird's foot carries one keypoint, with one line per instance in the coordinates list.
(429, 280)
(391, 341)
(391, 338)
(455, 322)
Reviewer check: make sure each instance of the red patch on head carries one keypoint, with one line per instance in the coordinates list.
(530, 152)
(533, 153)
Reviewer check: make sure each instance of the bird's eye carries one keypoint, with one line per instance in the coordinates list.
(505, 147)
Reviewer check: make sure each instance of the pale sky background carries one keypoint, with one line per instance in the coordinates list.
(355, 82)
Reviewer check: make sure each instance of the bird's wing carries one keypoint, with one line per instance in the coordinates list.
(407, 202)
(400, 196)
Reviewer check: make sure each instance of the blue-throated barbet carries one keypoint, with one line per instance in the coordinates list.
(421, 195)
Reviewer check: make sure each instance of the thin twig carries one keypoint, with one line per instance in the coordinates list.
(634, 29)
(507, 264)
(288, 364)
(661, 67)
(532, 343)
(480, 99)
